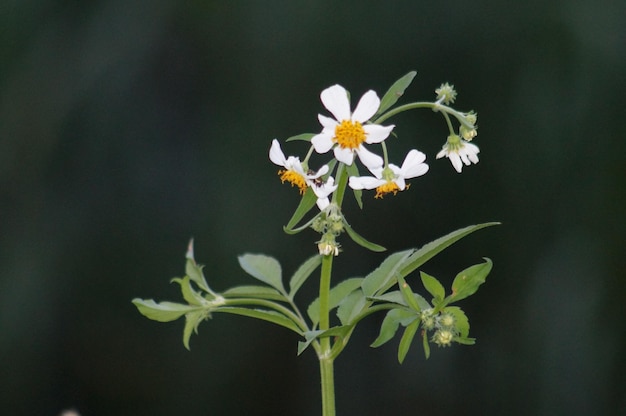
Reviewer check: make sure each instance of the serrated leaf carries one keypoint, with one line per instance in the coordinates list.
(466, 283)
(433, 286)
(362, 241)
(335, 296)
(306, 203)
(252, 291)
(304, 137)
(383, 277)
(192, 321)
(350, 307)
(264, 268)
(302, 274)
(264, 315)
(194, 270)
(391, 323)
(395, 92)
(162, 311)
(407, 339)
(433, 248)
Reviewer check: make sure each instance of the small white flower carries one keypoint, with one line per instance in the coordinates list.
(297, 174)
(392, 178)
(459, 152)
(347, 132)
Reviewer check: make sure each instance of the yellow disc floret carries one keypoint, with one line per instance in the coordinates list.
(387, 188)
(294, 178)
(349, 134)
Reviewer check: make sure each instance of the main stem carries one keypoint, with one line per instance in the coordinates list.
(327, 376)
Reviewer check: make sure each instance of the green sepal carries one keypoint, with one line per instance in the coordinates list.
(395, 92)
(264, 268)
(303, 137)
(194, 270)
(433, 286)
(302, 274)
(192, 321)
(306, 203)
(335, 296)
(390, 324)
(466, 283)
(189, 294)
(264, 315)
(253, 291)
(384, 276)
(407, 339)
(461, 323)
(360, 240)
(162, 311)
(465, 341)
(425, 344)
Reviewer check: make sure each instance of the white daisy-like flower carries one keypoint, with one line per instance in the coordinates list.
(347, 132)
(295, 174)
(459, 152)
(392, 179)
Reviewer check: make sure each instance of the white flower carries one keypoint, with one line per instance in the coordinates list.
(295, 174)
(459, 152)
(347, 132)
(392, 178)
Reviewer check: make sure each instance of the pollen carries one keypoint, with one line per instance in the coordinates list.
(294, 178)
(387, 188)
(349, 134)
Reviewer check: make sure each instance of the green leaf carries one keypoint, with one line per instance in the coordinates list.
(351, 306)
(353, 171)
(433, 248)
(385, 275)
(433, 287)
(335, 296)
(460, 320)
(163, 311)
(397, 297)
(192, 321)
(360, 240)
(425, 344)
(304, 137)
(407, 339)
(390, 324)
(264, 315)
(264, 268)
(253, 291)
(303, 273)
(408, 295)
(189, 294)
(466, 283)
(395, 92)
(306, 203)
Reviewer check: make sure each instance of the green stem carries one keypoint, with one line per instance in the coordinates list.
(435, 106)
(328, 386)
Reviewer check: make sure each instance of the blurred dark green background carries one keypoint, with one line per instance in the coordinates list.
(127, 127)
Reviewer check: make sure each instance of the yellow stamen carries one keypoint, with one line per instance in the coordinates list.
(349, 134)
(294, 178)
(388, 188)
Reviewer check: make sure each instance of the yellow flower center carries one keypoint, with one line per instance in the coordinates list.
(349, 134)
(294, 178)
(388, 188)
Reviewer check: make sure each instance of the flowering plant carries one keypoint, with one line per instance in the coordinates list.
(351, 135)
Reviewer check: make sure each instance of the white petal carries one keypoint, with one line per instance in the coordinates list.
(322, 171)
(375, 133)
(456, 161)
(327, 122)
(335, 99)
(322, 203)
(413, 165)
(322, 142)
(443, 152)
(344, 155)
(276, 154)
(400, 182)
(367, 107)
(369, 159)
(365, 182)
